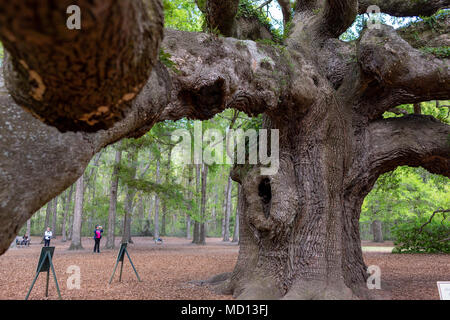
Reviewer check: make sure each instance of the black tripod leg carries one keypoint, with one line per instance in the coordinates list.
(54, 276)
(137, 275)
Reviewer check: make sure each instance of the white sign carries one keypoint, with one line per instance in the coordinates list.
(444, 289)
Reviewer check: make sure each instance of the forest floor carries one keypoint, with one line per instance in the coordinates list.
(167, 270)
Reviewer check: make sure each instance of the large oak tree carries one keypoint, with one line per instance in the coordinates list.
(299, 234)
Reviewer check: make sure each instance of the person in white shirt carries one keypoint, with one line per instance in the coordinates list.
(47, 237)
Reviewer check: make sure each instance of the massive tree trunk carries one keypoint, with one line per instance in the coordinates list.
(110, 240)
(78, 215)
(214, 208)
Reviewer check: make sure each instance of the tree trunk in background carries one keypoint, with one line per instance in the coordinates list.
(156, 217)
(188, 226)
(224, 210)
(70, 100)
(133, 154)
(188, 215)
(110, 239)
(55, 216)
(64, 197)
(150, 208)
(48, 212)
(66, 212)
(28, 232)
(226, 235)
(300, 236)
(93, 213)
(202, 235)
(141, 208)
(377, 231)
(196, 233)
(296, 225)
(126, 236)
(223, 223)
(78, 215)
(236, 219)
(130, 219)
(164, 205)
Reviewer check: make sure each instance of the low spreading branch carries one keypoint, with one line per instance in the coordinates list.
(403, 8)
(338, 16)
(413, 140)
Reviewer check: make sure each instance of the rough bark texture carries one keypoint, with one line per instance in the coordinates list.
(79, 79)
(55, 216)
(78, 215)
(402, 8)
(299, 227)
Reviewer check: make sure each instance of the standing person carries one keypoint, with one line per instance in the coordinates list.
(47, 237)
(97, 236)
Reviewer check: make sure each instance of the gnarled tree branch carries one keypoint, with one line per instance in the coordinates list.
(413, 140)
(405, 8)
(210, 74)
(79, 79)
(394, 73)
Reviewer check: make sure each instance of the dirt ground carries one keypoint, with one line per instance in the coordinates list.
(168, 269)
